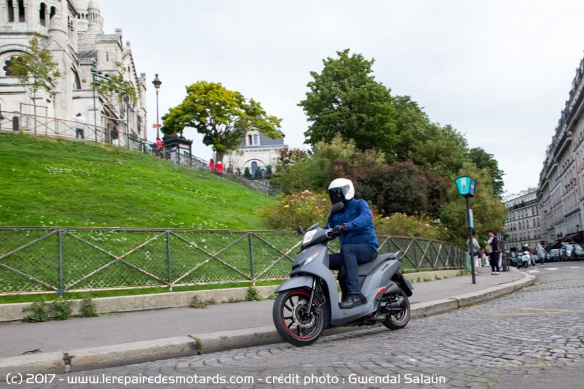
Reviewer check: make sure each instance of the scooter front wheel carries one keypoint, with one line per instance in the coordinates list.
(293, 321)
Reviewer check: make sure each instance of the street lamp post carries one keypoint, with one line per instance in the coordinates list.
(467, 187)
(157, 83)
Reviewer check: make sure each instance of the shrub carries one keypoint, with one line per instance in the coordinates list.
(253, 294)
(61, 308)
(39, 312)
(399, 224)
(87, 308)
(297, 209)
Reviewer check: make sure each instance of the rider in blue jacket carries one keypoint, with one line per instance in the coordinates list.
(358, 241)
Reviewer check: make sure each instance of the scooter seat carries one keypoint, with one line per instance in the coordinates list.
(366, 268)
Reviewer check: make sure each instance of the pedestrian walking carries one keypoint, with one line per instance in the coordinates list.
(540, 253)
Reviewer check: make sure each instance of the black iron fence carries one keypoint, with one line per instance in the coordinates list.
(59, 260)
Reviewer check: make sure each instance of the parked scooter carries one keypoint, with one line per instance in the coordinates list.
(525, 260)
(308, 302)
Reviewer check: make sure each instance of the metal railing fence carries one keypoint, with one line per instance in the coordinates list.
(59, 260)
(66, 129)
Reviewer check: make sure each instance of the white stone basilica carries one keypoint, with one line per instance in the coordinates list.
(72, 30)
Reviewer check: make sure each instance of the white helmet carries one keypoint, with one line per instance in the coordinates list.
(341, 189)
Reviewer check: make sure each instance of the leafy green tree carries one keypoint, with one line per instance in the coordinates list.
(247, 173)
(221, 115)
(112, 85)
(488, 209)
(345, 99)
(444, 150)
(412, 127)
(35, 70)
(484, 160)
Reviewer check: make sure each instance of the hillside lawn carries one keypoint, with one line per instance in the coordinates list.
(55, 182)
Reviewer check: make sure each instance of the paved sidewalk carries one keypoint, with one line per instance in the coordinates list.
(134, 337)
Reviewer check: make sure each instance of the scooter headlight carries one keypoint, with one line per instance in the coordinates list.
(308, 236)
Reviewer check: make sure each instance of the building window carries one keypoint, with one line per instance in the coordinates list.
(10, 6)
(21, 10)
(53, 12)
(256, 139)
(107, 56)
(249, 140)
(7, 65)
(43, 14)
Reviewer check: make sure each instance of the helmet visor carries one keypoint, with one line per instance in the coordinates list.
(336, 195)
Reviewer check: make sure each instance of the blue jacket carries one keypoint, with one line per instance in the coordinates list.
(359, 219)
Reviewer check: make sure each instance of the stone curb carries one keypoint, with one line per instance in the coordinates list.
(184, 346)
(14, 312)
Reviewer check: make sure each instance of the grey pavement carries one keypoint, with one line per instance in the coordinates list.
(135, 337)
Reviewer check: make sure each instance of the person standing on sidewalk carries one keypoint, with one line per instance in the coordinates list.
(476, 247)
(540, 253)
(493, 243)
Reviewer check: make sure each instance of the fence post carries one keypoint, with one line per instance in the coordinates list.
(168, 261)
(251, 258)
(61, 288)
(415, 255)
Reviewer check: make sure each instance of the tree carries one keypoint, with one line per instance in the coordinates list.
(345, 99)
(35, 70)
(443, 151)
(412, 127)
(488, 209)
(221, 115)
(113, 85)
(484, 160)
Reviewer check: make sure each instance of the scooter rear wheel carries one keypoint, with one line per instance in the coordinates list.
(399, 319)
(292, 320)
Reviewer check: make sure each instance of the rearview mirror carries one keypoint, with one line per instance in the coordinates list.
(300, 230)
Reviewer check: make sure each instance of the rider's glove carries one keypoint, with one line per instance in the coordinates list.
(340, 229)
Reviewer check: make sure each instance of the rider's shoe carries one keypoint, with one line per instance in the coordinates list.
(351, 301)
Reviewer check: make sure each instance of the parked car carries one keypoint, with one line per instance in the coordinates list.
(554, 255)
(572, 252)
(577, 253)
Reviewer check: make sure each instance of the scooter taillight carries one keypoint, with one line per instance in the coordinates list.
(380, 292)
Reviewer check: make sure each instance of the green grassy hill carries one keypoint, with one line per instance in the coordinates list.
(55, 182)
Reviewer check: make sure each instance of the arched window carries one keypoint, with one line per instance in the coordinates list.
(10, 6)
(76, 80)
(254, 168)
(53, 12)
(43, 14)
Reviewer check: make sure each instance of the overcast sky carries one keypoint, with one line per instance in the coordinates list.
(498, 71)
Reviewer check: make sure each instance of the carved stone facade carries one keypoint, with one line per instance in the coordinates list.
(72, 30)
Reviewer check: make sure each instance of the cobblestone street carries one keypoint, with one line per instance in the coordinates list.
(532, 338)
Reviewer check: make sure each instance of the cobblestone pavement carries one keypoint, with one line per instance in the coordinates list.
(533, 338)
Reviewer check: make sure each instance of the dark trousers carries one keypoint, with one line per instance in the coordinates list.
(494, 261)
(350, 257)
(79, 133)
